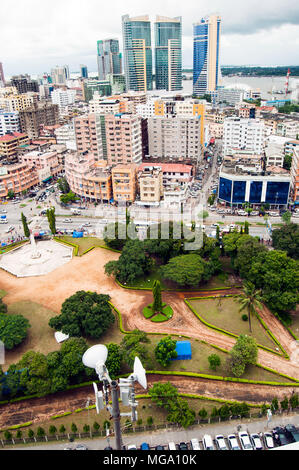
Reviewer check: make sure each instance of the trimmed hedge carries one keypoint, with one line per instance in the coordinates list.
(17, 426)
(177, 290)
(76, 247)
(62, 415)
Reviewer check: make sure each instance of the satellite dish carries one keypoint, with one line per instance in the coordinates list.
(140, 373)
(94, 355)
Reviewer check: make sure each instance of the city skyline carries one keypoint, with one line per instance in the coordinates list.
(256, 34)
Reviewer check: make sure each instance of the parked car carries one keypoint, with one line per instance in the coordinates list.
(207, 442)
(256, 441)
(220, 442)
(10, 229)
(292, 432)
(280, 437)
(144, 446)
(159, 448)
(232, 442)
(3, 211)
(108, 448)
(195, 444)
(245, 441)
(81, 447)
(183, 446)
(268, 439)
(132, 447)
(67, 221)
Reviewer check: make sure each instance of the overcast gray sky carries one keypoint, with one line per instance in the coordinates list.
(37, 35)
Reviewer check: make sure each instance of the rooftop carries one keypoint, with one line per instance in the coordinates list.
(13, 136)
(168, 167)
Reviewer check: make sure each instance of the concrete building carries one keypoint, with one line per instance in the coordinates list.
(46, 164)
(101, 106)
(230, 96)
(175, 138)
(88, 135)
(63, 98)
(275, 150)
(9, 122)
(88, 178)
(138, 65)
(109, 58)
(24, 83)
(35, 116)
(124, 183)
(243, 134)
(288, 128)
(65, 135)
(16, 178)
(215, 130)
(83, 71)
(206, 64)
(9, 144)
(242, 179)
(17, 102)
(60, 74)
(168, 53)
(123, 139)
(173, 174)
(150, 181)
(90, 87)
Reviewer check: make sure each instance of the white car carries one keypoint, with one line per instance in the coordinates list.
(268, 438)
(195, 444)
(68, 221)
(220, 442)
(10, 229)
(207, 442)
(256, 441)
(245, 441)
(232, 442)
(132, 447)
(3, 211)
(171, 446)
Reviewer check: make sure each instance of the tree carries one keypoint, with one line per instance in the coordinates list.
(150, 421)
(115, 235)
(132, 264)
(157, 305)
(52, 430)
(40, 432)
(224, 411)
(214, 361)
(13, 330)
(10, 194)
(163, 394)
(243, 353)
(247, 249)
(74, 428)
(167, 242)
(96, 426)
(286, 217)
(62, 429)
(34, 376)
(52, 220)
(250, 300)
(71, 352)
(185, 270)
(181, 414)
(113, 362)
(30, 433)
(287, 162)
(19, 434)
(133, 345)
(274, 404)
(294, 401)
(63, 185)
(69, 197)
(7, 435)
(25, 226)
(85, 314)
(86, 428)
(246, 227)
(284, 403)
(165, 351)
(286, 238)
(3, 307)
(203, 413)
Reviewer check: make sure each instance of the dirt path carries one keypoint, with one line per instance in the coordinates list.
(87, 273)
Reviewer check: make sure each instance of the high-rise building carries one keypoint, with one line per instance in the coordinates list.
(168, 53)
(137, 53)
(59, 75)
(83, 71)
(38, 114)
(243, 134)
(2, 79)
(109, 58)
(9, 122)
(24, 83)
(206, 66)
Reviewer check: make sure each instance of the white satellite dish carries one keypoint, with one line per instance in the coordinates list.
(140, 373)
(94, 355)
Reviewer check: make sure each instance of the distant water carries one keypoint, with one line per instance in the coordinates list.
(265, 84)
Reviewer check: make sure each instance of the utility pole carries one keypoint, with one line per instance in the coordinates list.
(116, 414)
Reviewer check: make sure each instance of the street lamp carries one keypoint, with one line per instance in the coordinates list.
(95, 358)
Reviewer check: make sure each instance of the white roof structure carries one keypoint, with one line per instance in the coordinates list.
(60, 337)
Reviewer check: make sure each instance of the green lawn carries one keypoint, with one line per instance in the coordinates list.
(2, 293)
(83, 243)
(295, 324)
(224, 313)
(12, 247)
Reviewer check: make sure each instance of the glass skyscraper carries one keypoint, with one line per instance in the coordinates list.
(168, 53)
(206, 66)
(137, 53)
(109, 58)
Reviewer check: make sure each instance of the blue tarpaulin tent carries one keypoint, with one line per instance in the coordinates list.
(183, 348)
(77, 234)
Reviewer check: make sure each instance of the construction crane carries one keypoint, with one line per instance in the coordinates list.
(287, 82)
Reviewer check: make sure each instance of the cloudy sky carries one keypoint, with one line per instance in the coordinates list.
(37, 35)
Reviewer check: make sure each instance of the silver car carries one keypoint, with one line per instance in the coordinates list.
(256, 441)
(220, 442)
(245, 441)
(232, 442)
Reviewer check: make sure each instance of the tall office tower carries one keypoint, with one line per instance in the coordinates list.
(168, 53)
(2, 74)
(60, 75)
(206, 66)
(137, 53)
(109, 58)
(83, 71)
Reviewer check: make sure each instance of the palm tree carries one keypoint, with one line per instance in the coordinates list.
(250, 299)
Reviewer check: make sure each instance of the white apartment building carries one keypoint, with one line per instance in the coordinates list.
(275, 150)
(243, 134)
(146, 110)
(175, 138)
(63, 98)
(65, 135)
(21, 102)
(9, 122)
(288, 128)
(97, 105)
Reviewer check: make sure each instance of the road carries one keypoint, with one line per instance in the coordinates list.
(163, 437)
